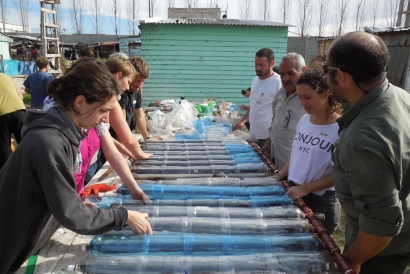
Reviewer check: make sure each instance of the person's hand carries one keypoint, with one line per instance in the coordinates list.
(138, 223)
(144, 155)
(138, 194)
(297, 192)
(156, 138)
(266, 147)
(243, 107)
(277, 177)
(90, 204)
(355, 266)
(238, 126)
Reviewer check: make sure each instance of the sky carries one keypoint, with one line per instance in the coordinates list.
(232, 7)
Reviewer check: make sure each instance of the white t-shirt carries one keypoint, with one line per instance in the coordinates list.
(263, 93)
(310, 158)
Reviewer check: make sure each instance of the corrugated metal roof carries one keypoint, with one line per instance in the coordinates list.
(389, 29)
(209, 21)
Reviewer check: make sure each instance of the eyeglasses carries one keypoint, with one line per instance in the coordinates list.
(285, 122)
(327, 68)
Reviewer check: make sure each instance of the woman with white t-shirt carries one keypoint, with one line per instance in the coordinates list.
(310, 166)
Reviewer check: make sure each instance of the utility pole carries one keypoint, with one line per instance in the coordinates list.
(149, 9)
(133, 17)
(49, 33)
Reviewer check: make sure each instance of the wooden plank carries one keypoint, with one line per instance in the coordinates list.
(48, 10)
(50, 254)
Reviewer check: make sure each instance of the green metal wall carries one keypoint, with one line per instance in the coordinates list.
(205, 61)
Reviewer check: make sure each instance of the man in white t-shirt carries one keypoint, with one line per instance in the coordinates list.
(264, 88)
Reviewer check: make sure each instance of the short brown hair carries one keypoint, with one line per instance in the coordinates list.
(140, 66)
(86, 52)
(41, 62)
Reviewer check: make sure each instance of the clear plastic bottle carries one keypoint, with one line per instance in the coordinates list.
(278, 263)
(226, 226)
(202, 245)
(196, 192)
(238, 168)
(259, 201)
(216, 181)
(277, 212)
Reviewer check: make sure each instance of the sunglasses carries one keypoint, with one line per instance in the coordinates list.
(327, 68)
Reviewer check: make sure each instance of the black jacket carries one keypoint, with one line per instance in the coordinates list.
(37, 182)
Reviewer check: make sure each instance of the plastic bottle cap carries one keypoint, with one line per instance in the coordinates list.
(71, 267)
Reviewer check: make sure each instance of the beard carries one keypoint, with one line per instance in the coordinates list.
(260, 73)
(336, 91)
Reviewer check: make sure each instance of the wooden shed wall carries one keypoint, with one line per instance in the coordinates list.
(398, 71)
(205, 61)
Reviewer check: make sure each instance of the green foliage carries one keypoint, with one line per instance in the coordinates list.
(27, 99)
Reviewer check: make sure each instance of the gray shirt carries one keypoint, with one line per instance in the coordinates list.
(372, 167)
(287, 112)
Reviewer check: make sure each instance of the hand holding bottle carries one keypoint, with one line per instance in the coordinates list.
(138, 223)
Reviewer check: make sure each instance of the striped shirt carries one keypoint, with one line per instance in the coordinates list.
(287, 112)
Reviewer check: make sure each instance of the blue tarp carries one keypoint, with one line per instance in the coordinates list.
(15, 67)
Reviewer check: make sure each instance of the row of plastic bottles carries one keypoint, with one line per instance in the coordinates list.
(199, 162)
(216, 181)
(226, 151)
(279, 263)
(277, 212)
(193, 157)
(197, 192)
(212, 169)
(107, 202)
(202, 245)
(230, 140)
(223, 226)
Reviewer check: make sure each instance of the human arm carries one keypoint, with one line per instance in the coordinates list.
(367, 185)
(303, 190)
(56, 186)
(242, 122)
(365, 247)
(141, 122)
(267, 146)
(114, 157)
(122, 149)
(282, 173)
(18, 92)
(124, 133)
(27, 90)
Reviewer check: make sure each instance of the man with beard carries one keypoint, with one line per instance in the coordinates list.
(287, 110)
(372, 156)
(264, 88)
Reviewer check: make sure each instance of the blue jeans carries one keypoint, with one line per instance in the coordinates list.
(261, 142)
(92, 169)
(328, 204)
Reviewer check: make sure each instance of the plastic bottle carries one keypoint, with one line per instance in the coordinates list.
(277, 212)
(226, 226)
(195, 192)
(261, 201)
(228, 181)
(309, 263)
(202, 245)
(212, 169)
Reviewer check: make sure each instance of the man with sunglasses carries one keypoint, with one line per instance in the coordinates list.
(372, 156)
(287, 110)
